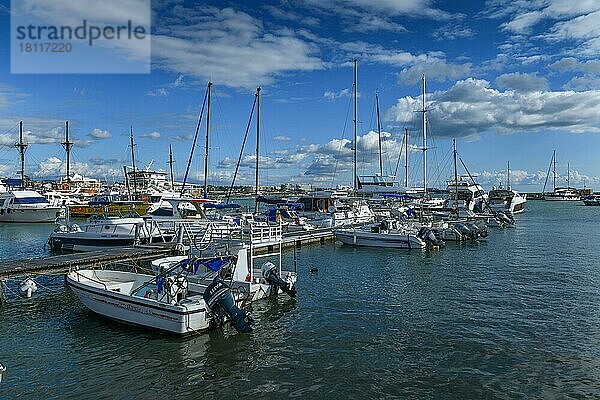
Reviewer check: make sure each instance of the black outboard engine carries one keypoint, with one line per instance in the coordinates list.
(466, 231)
(429, 236)
(505, 218)
(269, 272)
(474, 228)
(220, 301)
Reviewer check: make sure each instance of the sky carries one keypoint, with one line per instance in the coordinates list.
(511, 80)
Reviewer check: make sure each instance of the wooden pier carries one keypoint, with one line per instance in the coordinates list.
(62, 263)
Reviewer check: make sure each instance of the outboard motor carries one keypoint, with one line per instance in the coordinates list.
(269, 272)
(474, 228)
(465, 231)
(505, 218)
(220, 301)
(429, 236)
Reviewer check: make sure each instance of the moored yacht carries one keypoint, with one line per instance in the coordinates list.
(26, 206)
(506, 199)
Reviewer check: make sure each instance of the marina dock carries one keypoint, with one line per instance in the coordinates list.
(57, 264)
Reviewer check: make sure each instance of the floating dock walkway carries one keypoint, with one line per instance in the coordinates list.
(58, 264)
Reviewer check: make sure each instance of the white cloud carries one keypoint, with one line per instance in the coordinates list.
(330, 95)
(471, 107)
(282, 138)
(522, 82)
(98, 133)
(213, 43)
(152, 135)
(53, 167)
(178, 81)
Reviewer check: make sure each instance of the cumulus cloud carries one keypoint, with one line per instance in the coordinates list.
(52, 167)
(282, 138)
(471, 107)
(98, 133)
(522, 82)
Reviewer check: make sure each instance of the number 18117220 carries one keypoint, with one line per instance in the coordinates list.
(45, 47)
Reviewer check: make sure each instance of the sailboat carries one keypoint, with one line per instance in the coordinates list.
(507, 199)
(559, 193)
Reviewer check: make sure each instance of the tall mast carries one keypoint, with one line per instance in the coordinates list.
(206, 149)
(257, 145)
(455, 178)
(67, 145)
(171, 166)
(379, 135)
(508, 175)
(406, 157)
(355, 184)
(554, 169)
(568, 175)
(133, 162)
(22, 147)
(424, 143)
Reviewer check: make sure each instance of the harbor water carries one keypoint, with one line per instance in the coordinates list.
(514, 316)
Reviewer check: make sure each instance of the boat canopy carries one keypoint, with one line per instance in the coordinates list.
(221, 206)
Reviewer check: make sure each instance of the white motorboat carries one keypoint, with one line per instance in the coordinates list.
(102, 232)
(26, 206)
(506, 199)
(169, 304)
(390, 234)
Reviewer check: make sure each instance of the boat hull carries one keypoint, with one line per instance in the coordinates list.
(389, 240)
(140, 311)
(33, 215)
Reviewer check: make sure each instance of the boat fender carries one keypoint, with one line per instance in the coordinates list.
(269, 272)
(220, 301)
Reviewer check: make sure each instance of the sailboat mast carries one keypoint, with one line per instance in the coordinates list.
(22, 147)
(379, 134)
(455, 178)
(67, 145)
(171, 166)
(257, 143)
(554, 169)
(508, 175)
(424, 143)
(133, 162)
(406, 157)
(206, 148)
(355, 184)
(568, 175)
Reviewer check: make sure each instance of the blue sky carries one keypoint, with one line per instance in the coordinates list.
(511, 80)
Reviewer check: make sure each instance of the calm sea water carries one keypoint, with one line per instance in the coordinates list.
(517, 316)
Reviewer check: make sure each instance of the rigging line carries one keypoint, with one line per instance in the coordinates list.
(237, 166)
(187, 170)
(341, 142)
(548, 174)
(402, 144)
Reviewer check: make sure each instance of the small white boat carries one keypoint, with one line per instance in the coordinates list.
(507, 200)
(26, 206)
(390, 234)
(169, 304)
(562, 194)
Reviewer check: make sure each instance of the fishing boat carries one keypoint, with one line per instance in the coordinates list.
(26, 206)
(243, 273)
(166, 303)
